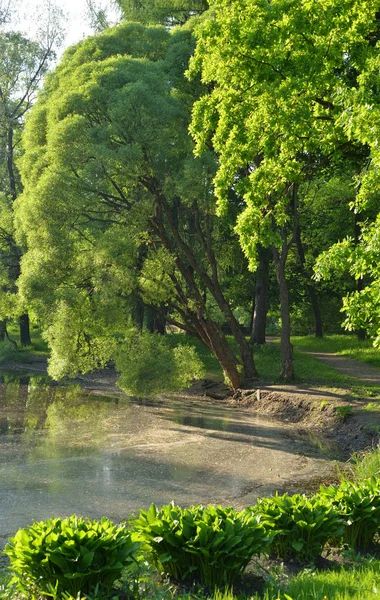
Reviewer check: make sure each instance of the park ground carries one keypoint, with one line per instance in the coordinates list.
(336, 390)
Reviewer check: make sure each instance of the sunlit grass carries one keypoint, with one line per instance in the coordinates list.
(344, 345)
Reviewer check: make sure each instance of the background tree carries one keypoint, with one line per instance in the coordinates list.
(284, 77)
(163, 12)
(23, 66)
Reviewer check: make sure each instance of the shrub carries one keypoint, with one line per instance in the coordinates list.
(147, 365)
(69, 556)
(359, 506)
(212, 545)
(301, 526)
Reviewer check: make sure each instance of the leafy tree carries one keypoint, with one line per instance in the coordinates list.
(24, 63)
(116, 206)
(293, 88)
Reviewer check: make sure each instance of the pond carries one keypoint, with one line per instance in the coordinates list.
(64, 450)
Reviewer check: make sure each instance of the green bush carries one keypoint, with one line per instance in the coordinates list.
(211, 545)
(148, 366)
(359, 505)
(301, 526)
(69, 556)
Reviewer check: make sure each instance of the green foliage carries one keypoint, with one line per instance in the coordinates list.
(301, 526)
(366, 465)
(362, 262)
(277, 97)
(343, 411)
(72, 556)
(148, 365)
(165, 12)
(212, 545)
(359, 582)
(359, 505)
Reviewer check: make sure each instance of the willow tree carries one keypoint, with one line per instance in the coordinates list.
(291, 84)
(115, 204)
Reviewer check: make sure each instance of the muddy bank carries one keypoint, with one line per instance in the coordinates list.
(310, 410)
(345, 423)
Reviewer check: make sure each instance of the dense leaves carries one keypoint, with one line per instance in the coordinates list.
(74, 555)
(359, 506)
(210, 544)
(301, 526)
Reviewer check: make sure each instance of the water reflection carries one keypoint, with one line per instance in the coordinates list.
(65, 450)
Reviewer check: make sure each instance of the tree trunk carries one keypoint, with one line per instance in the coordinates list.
(155, 321)
(216, 341)
(259, 317)
(25, 330)
(210, 282)
(3, 330)
(287, 361)
(361, 333)
(309, 286)
(138, 313)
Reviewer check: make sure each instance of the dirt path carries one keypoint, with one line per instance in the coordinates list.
(348, 366)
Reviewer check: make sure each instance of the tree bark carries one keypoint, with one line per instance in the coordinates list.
(360, 333)
(287, 360)
(216, 341)
(309, 286)
(138, 313)
(189, 266)
(3, 330)
(259, 313)
(155, 320)
(24, 325)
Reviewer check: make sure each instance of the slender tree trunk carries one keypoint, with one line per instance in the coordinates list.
(309, 286)
(10, 162)
(138, 313)
(3, 330)
(24, 325)
(259, 313)
(155, 320)
(287, 360)
(361, 333)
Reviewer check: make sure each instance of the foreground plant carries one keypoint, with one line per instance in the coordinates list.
(70, 557)
(301, 526)
(359, 506)
(212, 545)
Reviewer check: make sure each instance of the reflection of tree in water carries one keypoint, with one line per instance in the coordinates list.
(14, 395)
(68, 415)
(39, 397)
(77, 419)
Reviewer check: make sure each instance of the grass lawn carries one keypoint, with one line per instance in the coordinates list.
(38, 349)
(308, 369)
(344, 345)
(358, 582)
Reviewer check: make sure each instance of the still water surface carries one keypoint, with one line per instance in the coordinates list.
(64, 450)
